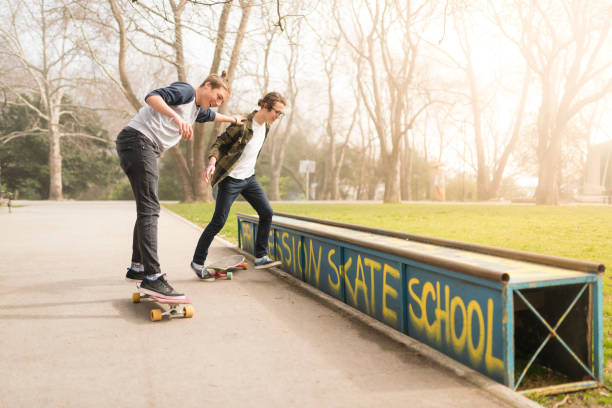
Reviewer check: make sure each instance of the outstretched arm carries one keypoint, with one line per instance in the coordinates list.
(236, 119)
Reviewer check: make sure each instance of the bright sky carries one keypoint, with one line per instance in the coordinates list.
(498, 64)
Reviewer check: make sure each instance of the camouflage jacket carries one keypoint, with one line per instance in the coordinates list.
(228, 148)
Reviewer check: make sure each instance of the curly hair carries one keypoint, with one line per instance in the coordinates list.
(270, 99)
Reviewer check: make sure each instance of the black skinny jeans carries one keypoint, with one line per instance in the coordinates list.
(229, 188)
(138, 157)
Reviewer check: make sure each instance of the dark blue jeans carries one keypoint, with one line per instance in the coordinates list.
(138, 157)
(228, 190)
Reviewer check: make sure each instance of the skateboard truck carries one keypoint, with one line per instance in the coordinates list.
(227, 263)
(176, 307)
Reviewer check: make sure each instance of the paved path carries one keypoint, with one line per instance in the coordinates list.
(71, 337)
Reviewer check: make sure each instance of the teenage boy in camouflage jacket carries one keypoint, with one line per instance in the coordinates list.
(232, 167)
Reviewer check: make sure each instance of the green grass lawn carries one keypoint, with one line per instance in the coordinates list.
(580, 232)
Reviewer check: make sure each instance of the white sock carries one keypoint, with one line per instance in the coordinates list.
(154, 277)
(138, 267)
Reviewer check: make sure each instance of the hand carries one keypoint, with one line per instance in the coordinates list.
(238, 119)
(210, 169)
(184, 128)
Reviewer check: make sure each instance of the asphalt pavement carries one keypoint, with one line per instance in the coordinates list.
(70, 335)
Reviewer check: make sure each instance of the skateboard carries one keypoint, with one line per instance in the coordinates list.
(176, 307)
(228, 263)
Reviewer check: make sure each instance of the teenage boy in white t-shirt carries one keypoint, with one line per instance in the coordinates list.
(159, 125)
(231, 164)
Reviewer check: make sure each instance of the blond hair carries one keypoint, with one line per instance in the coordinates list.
(217, 81)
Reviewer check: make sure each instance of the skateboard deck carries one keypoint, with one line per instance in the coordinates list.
(175, 307)
(228, 263)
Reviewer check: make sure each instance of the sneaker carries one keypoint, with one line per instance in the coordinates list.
(160, 287)
(201, 272)
(265, 262)
(134, 275)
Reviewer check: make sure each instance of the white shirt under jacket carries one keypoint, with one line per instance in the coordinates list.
(245, 167)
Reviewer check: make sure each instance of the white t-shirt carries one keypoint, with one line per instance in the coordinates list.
(245, 167)
(161, 129)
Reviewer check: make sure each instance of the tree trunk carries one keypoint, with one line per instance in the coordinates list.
(177, 11)
(202, 133)
(336, 195)
(482, 171)
(336, 175)
(245, 6)
(274, 190)
(392, 178)
(331, 173)
(501, 165)
(55, 164)
(547, 191)
(183, 164)
(406, 165)
(202, 190)
(330, 190)
(126, 87)
(278, 154)
(322, 188)
(281, 139)
(183, 174)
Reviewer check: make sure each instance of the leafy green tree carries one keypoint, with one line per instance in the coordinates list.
(88, 164)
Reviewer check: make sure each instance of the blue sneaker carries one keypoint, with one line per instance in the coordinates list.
(201, 272)
(265, 262)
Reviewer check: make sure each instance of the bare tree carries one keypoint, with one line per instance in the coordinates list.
(367, 180)
(171, 50)
(567, 45)
(37, 38)
(489, 168)
(280, 136)
(203, 191)
(201, 137)
(335, 150)
(373, 30)
(156, 31)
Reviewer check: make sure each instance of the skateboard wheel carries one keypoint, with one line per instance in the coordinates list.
(244, 265)
(135, 297)
(156, 315)
(229, 276)
(188, 311)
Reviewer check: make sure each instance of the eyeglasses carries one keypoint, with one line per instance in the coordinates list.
(279, 113)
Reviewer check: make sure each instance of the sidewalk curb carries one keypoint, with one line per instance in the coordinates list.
(496, 390)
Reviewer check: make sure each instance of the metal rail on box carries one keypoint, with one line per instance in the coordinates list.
(501, 312)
